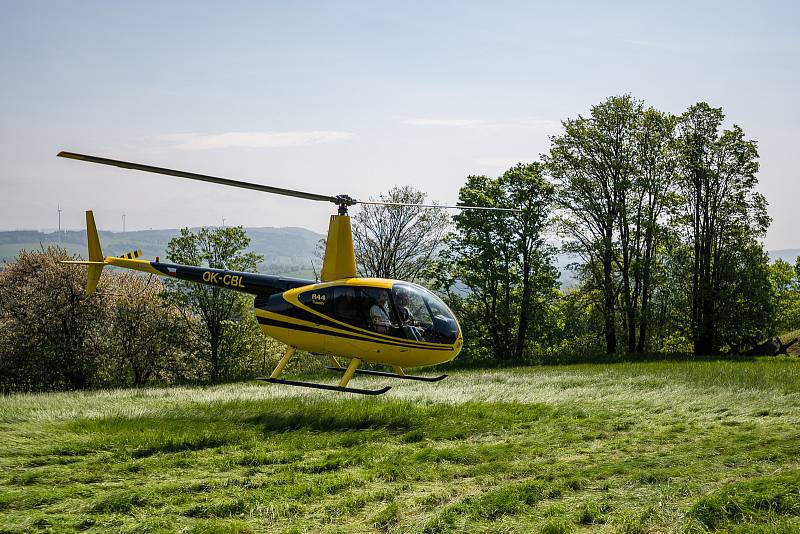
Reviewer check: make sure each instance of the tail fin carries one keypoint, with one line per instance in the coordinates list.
(96, 259)
(95, 254)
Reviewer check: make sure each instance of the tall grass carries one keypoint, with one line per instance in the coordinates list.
(630, 447)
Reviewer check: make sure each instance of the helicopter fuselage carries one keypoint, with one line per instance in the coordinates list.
(377, 320)
(349, 318)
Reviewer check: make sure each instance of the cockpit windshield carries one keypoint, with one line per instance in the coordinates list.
(423, 316)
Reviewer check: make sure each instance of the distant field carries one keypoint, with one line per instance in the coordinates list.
(655, 447)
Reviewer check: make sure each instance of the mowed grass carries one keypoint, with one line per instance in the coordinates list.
(652, 447)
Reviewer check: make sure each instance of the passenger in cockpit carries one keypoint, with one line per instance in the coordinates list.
(410, 324)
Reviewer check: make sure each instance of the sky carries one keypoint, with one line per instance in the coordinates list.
(356, 97)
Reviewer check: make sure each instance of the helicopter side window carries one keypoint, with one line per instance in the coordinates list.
(347, 306)
(366, 307)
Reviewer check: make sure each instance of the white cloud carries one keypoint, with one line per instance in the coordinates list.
(538, 124)
(195, 141)
(458, 123)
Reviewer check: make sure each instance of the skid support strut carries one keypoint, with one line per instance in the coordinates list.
(348, 374)
(283, 363)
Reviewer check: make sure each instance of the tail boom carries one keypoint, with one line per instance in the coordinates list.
(253, 283)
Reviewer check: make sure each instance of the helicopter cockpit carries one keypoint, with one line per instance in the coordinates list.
(423, 316)
(405, 311)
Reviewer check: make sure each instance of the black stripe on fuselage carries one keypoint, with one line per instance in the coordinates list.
(278, 305)
(382, 341)
(253, 283)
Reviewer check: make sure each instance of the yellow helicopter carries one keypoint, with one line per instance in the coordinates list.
(381, 321)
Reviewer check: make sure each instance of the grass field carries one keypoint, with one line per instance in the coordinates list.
(652, 447)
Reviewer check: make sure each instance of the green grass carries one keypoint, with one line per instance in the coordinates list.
(647, 447)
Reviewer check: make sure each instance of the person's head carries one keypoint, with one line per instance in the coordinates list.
(402, 298)
(383, 296)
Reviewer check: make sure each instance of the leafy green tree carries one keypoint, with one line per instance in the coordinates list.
(501, 261)
(745, 304)
(594, 166)
(669, 324)
(784, 279)
(797, 270)
(146, 333)
(722, 211)
(49, 329)
(648, 202)
(217, 308)
(579, 327)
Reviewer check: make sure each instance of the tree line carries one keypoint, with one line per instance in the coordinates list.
(659, 213)
(135, 329)
(662, 217)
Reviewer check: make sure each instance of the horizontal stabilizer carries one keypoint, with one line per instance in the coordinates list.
(132, 255)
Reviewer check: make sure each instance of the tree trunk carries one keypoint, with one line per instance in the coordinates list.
(522, 330)
(608, 297)
(648, 259)
(215, 341)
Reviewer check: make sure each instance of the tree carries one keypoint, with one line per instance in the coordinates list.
(49, 329)
(723, 213)
(594, 165)
(651, 198)
(146, 332)
(797, 270)
(745, 303)
(502, 259)
(219, 248)
(398, 241)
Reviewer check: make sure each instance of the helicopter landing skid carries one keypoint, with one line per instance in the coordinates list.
(390, 375)
(326, 386)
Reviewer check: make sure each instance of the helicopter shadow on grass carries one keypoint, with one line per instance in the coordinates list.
(206, 426)
(343, 416)
(437, 421)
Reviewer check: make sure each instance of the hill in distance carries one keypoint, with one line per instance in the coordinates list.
(287, 251)
(787, 254)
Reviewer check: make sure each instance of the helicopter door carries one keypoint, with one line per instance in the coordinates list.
(368, 309)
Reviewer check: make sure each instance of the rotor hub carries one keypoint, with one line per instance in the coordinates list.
(344, 202)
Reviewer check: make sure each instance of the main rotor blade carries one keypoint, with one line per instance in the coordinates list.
(435, 206)
(200, 177)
